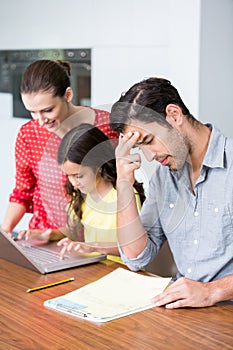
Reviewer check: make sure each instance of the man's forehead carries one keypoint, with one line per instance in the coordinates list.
(138, 126)
(144, 128)
(146, 131)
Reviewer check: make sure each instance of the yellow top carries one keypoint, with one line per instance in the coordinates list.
(99, 218)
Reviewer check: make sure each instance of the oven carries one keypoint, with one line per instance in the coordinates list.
(14, 62)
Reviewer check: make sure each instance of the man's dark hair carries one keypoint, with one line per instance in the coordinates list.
(146, 101)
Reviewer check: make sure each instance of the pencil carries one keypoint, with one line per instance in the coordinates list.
(50, 285)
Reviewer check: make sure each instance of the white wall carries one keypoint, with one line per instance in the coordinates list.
(130, 40)
(216, 64)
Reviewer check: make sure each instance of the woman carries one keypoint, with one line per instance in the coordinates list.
(46, 92)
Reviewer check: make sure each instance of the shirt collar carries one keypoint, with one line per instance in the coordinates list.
(214, 157)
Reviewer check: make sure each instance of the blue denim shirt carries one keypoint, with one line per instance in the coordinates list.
(198, 225)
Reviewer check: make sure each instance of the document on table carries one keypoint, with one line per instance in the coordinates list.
(119, 293)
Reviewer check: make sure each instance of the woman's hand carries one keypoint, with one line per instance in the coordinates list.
(41, 235)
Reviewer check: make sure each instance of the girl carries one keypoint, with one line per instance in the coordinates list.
(87, 157)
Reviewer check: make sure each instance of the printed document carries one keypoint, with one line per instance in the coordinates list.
(119, 293)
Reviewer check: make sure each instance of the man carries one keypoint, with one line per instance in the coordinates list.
(190, 200)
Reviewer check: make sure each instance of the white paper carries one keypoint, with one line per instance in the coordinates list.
(117, 294)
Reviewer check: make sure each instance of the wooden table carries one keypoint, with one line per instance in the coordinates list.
(26, 324)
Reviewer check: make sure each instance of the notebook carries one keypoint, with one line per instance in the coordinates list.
(119, 293)
(41, 256)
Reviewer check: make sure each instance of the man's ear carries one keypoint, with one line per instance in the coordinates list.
(174, 115)
(69, 94)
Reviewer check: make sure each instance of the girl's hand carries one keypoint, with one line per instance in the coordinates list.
(68, 245)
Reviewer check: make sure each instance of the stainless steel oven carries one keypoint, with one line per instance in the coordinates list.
(14, 62)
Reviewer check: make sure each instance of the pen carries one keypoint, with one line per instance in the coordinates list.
(50, 285)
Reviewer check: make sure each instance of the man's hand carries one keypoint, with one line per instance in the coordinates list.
(185, 292)
(126, 162)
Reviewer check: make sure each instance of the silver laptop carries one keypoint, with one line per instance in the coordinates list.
(40, 256)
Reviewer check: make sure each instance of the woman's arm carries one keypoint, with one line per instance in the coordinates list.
(22, 194)
(14, 214)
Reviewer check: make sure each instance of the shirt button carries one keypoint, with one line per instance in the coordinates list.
(195, 241)
(196, 213)
(171, 205)
(189, 270)
(216, 210)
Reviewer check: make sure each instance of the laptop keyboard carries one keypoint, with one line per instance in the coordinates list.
(42, 256)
